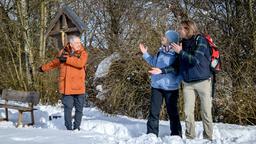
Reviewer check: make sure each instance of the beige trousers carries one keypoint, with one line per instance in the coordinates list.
(203, 90)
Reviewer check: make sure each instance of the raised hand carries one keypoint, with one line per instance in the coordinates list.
(143, 49)
(155, 71)
(177, 48)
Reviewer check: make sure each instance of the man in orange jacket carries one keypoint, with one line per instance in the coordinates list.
(71, 63)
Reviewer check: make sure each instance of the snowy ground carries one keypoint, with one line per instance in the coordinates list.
(98, 128)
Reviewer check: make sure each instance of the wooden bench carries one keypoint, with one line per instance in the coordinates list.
(12, 97)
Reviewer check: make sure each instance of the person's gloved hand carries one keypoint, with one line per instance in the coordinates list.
(40, 69)
(62, 59)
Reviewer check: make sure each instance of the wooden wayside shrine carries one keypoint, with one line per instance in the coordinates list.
(65, 23)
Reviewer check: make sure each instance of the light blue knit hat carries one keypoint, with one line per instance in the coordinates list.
(172, 36)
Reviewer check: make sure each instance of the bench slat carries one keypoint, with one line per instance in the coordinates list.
(22, 96)
(16, 107)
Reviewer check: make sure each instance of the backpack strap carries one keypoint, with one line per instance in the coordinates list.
(197, 38)
(157, 54)
(209, 47)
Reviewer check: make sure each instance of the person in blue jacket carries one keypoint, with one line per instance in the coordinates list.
(164, 86)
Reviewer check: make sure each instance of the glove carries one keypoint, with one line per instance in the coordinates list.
(62, 59)
(40, 69)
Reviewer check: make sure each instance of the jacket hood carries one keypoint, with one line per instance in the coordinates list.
(167, 50)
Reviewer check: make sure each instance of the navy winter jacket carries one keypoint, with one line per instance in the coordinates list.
(195, 59)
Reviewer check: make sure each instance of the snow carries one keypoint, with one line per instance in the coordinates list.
(100, 128)
(102, 71)
(104, 65)
(101, 92)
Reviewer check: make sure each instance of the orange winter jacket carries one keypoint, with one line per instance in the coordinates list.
(71, 73)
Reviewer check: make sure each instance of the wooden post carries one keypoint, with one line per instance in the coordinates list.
(6, 114)
(20, 118)
(32, 114)
(32, 117)
(63, 38)
(64, 27)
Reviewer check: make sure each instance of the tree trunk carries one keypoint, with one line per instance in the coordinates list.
(253, 23)
(115, 10)
(43, 21)
(23, 17)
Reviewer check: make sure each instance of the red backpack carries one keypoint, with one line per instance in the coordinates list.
(215, 59)
(215, 54)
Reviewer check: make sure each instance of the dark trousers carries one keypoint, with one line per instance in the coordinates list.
(70, 101)
(171, 100)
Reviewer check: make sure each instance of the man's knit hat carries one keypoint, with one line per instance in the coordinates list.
(172, 36)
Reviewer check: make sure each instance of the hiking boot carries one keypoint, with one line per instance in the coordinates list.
(76, 129)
